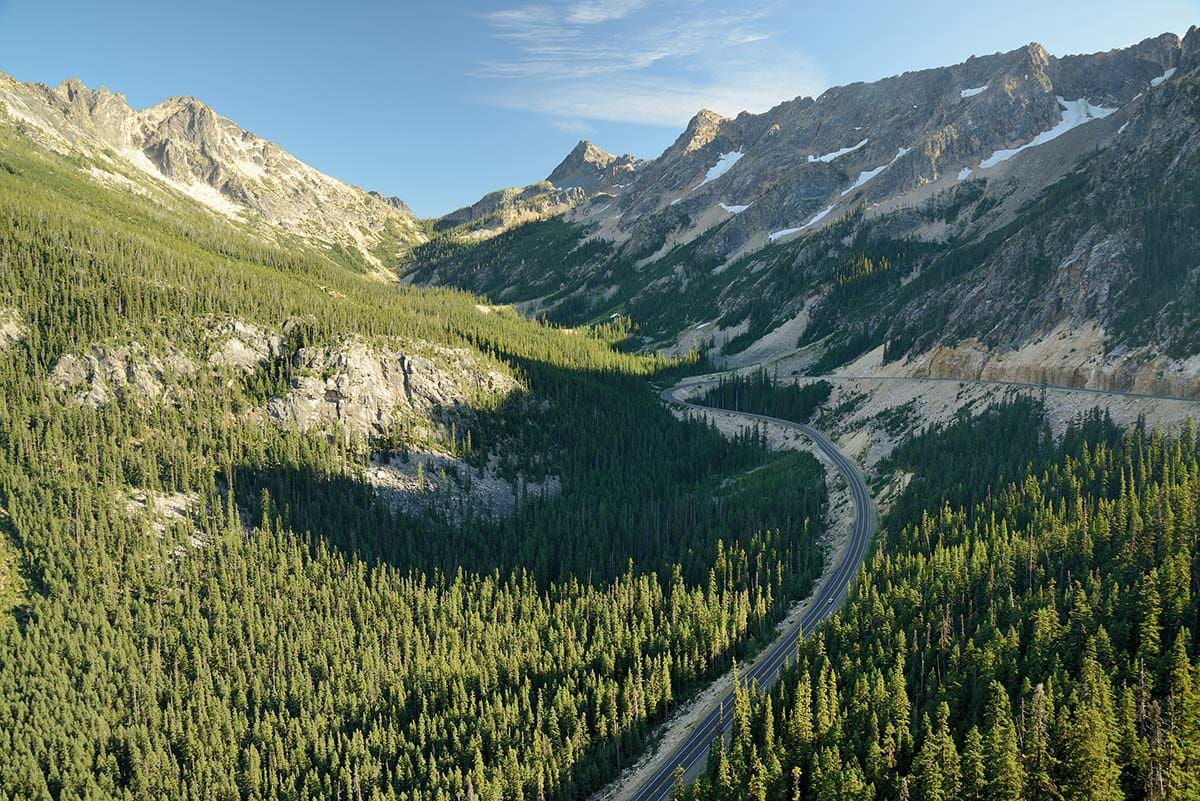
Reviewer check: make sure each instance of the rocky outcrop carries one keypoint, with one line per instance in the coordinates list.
(700, 132)
(422, 482)
(499, 211)
(96, 376)
(12, 329)
(365, 389)
(162, 511)
(1067, 358)
(194, 150)
(589, 168)
(393, 201)
(244, 346)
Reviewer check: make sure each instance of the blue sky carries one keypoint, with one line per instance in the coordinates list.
(439, 102)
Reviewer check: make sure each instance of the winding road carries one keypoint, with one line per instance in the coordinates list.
(693, 751)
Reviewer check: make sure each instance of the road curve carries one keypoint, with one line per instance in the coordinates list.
(693, 751)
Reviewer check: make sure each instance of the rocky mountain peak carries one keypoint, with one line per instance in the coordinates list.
(1030, 67)
(702, 129)
(98, 110)
(589, 168)
(213, 160)
(1190, 55)
(587, 152)
(72, 88)
(1037, 55)
(584, 163)
(393, 201)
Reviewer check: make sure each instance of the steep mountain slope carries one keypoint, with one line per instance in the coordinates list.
(587, 177)
(498, 211)
(1001, 200)
(184, 145)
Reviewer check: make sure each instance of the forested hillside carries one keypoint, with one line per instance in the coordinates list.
(200, 601)
(1026, 629)
(760, 393)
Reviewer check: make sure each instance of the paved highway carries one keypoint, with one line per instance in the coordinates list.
(1117, 393)
(693, 751)
(1022, 385)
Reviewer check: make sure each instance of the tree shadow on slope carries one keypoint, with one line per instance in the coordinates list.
(637, 485)
(640, 487)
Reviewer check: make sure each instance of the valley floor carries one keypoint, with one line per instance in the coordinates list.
(866, 429)
(844, 542)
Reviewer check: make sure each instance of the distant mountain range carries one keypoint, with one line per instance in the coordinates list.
(947, 221)
(1016, 215)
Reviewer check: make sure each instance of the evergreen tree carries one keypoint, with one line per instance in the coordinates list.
(1003, 778)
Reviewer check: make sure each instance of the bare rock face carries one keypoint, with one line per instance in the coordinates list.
(426, 481)
(701, 131)
(589, 168)
(244, 346)
(164, 511)
(365, 389)
(501, 210)
(393, 201)
(196, 151)
(12, 330)
(94, 377)
(1067, 357)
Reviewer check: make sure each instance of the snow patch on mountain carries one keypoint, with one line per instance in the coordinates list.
(1074, 114)
(734, 209)
(724, 164)
(867, 175)
(964, 173)
(820, 215)
(1161, 79)
(837, 154)
(978, 90)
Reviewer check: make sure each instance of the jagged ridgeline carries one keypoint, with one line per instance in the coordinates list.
(946, 217)
(1025, 628)
(268, 529)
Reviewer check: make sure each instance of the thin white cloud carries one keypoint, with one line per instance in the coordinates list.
(669, 102)
(656, 63)
(532, 23)
(591, 12)
(571, 126)
(550, 49)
